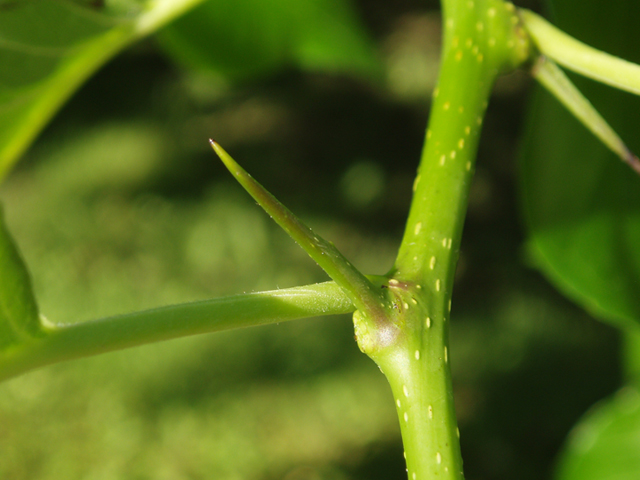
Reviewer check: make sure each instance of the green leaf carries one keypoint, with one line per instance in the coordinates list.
(244, 38)
(19, 320)
(582, 206)
(631, 355)
(605, 445)
(48, 48)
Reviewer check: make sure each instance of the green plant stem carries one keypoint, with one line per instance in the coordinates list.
(581, 58)
(60, 342)
(418, 372)
(428, 257)
(481, 39)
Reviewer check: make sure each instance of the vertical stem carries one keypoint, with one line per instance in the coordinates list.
(420, 380)
(429, 252)
(481, 38)
(478, 43)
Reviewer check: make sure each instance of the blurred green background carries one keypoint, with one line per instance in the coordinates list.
(121, 205)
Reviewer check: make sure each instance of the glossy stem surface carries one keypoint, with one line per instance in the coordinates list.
(60, 342)
(481, 39)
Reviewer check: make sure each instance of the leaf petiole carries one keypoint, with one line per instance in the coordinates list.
(579, 57)
(557, 83)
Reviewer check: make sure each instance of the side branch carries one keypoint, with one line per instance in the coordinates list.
(70, 341)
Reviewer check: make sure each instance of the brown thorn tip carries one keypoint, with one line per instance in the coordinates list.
(632, 160)
(634, 163)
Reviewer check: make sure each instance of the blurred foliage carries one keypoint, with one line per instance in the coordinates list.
(248, 38)
(49, 48)
(582, 204)
(121, 205)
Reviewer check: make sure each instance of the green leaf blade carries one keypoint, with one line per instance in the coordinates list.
(605, 444)
(582, 209)
(19, 319)
(247, 38)
(48, 49)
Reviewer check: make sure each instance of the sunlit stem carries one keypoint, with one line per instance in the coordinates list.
(481, 39)
(555, 80)
(60, 342)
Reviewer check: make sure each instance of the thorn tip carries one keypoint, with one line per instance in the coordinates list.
(633, 161)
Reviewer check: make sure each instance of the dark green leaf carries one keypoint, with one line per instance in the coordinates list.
(48, 48)
(19, 318)
(582, 204)
(244, 38)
